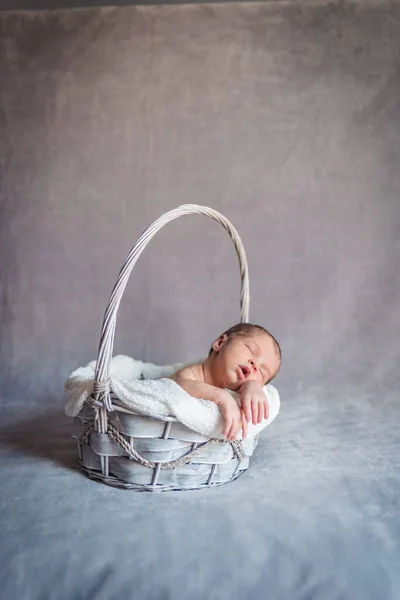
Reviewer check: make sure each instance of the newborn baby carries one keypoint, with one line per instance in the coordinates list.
(243, 359)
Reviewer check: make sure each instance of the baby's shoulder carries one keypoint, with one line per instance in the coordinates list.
(192, 372)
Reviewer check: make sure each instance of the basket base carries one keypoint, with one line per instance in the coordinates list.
(116, 482)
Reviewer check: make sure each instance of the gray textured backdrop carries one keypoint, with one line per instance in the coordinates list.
(285, 117)
(285, 120)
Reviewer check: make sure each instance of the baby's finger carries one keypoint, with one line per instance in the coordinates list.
(247, 410)
(239, 427)
(239, 424)
(254, 410)
(227, 427)
(266, 410)
(260, 411)
(231, 431)
(255, 413)
(244, 425)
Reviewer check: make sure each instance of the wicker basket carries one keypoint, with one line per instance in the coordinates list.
(124, 449)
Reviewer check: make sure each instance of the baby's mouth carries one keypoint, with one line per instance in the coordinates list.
(244, 370)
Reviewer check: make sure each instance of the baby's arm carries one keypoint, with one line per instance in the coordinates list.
(234, 418)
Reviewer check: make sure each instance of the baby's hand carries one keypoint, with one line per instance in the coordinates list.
(234, 418)
(254, 402)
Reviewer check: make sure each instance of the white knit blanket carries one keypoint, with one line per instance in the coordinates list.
(138, 388)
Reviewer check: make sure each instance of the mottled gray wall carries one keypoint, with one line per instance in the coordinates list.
(285, 119)
(57, 4)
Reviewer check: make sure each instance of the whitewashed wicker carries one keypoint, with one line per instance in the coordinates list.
(128, 450)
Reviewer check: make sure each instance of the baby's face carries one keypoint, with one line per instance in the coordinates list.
(251, 357)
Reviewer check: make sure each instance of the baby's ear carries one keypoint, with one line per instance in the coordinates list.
(217, 345)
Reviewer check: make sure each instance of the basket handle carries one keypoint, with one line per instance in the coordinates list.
(101, 386)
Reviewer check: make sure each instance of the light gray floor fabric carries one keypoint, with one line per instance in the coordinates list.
(284, 117)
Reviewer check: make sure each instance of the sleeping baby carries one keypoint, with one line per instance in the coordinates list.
(243, 359)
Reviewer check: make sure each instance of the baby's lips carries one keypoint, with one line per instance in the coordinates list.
(245, 370)
(242, 376)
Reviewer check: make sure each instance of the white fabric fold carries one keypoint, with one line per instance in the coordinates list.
(138, 387)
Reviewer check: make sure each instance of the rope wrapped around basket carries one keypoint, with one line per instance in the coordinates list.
(172, 464)
(101, 400)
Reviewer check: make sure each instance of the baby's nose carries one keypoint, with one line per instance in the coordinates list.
(253, 364)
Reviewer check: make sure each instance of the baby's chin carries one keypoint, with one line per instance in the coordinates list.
(233, 385)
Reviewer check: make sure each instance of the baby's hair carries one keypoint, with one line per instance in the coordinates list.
(244, 329)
